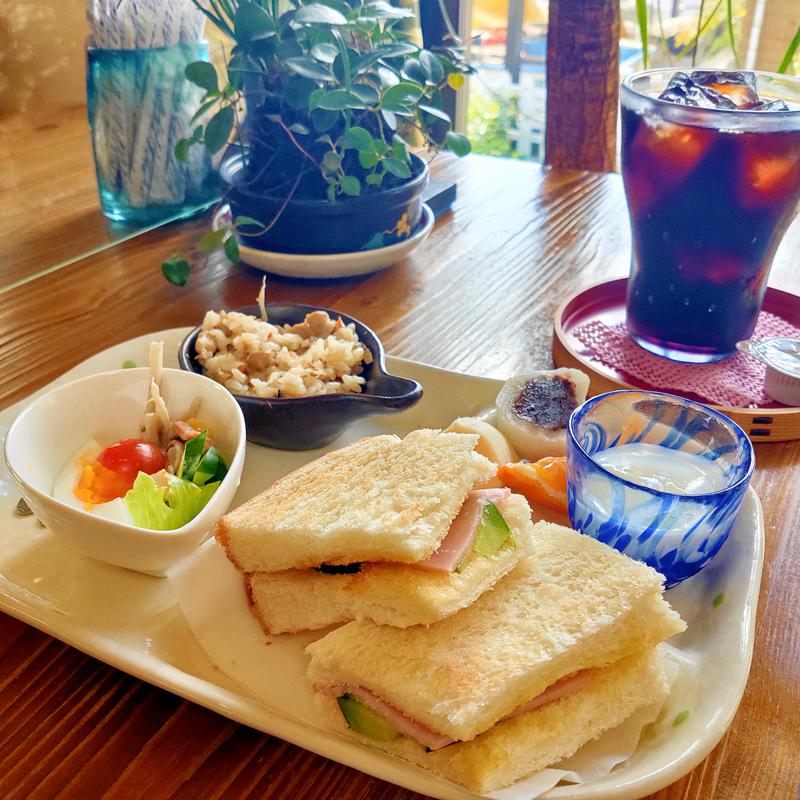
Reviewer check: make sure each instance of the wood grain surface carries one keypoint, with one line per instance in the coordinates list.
(478, 297)
(48, 193)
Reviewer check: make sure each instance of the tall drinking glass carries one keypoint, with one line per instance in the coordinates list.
(711, 190)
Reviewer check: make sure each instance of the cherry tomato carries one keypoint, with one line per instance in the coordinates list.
(132, 456)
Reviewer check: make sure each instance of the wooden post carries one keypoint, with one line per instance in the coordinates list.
(582, 84)
(516, 10)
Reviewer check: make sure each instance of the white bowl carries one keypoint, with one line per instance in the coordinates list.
(108, 407)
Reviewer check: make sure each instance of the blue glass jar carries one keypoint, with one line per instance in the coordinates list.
(676, 534)
(140, 104)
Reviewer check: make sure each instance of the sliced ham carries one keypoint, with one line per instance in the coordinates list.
(185, 431)
(455, 546)
(567, 685)
(432, 739)
(405, 725)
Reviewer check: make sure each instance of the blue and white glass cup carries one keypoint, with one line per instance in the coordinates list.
(140, 104)
(656, 476)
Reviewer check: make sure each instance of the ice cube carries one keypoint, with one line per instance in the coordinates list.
(772, 105)
(739, 87)
(682, 90)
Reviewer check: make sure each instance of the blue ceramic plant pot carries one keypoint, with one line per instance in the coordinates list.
(676, 534)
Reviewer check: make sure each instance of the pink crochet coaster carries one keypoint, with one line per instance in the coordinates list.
(737, 381)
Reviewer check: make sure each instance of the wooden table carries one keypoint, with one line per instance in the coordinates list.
(478, 297)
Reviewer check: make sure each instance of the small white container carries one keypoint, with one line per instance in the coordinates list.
(108, 407)
(782, 357)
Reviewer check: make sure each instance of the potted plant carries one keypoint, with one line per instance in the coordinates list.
(324, 103)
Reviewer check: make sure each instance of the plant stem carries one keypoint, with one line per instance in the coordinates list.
(730, 33)
(699, 30)
(297, 144)
(788, 56)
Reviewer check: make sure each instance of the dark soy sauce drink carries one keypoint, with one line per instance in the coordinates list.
(712, 178)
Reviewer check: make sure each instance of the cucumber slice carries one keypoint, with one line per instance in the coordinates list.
(493, 532)
(364, 720)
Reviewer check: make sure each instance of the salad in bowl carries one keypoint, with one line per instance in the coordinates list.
(132, 467)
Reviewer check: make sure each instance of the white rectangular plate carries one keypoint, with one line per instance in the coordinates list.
(133, 622)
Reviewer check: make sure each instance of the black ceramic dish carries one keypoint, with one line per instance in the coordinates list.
(305, 423)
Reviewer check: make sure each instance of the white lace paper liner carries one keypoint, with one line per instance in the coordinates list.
(211, 593)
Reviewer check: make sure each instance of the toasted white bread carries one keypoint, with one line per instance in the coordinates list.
(388, 594)
(379, 499)
(575, 603)
(517, 747)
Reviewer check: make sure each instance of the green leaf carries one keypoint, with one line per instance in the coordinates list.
(383, 10)
(211, 468)
(351, 185)
(331, 192)
(298, 127)
(404, 93)
(232, 249)
(323, 119)
(202, 74)
(434, 71)
(399, 149)
(381, 148)
(297, 91)
(240, 222)
(458, 143)
(395, 50)
(435, 112)
(289, 48)
(308, 68)
(203, 108)
(413, 70)
(375, 179)
(319, 14)
(182, 150)
(368, 159)
(389, 118)
(788, 56)
(253, 23)
(368, 94)
(338, 99)
(339, 5)
(325, 52)
(192, 456)
(331, 161)
(731, 36)
(641, 18)
(212, 240)
(358, 138)
(387, 77)
(128, 364)
(219, 129)
(397, 167)
(176, 271)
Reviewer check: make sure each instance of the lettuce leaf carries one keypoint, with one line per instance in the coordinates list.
(165, 508)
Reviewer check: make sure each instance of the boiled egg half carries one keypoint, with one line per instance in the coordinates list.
(84, 483)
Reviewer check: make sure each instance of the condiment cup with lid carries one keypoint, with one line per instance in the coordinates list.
(782, 357)
(671, 496)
